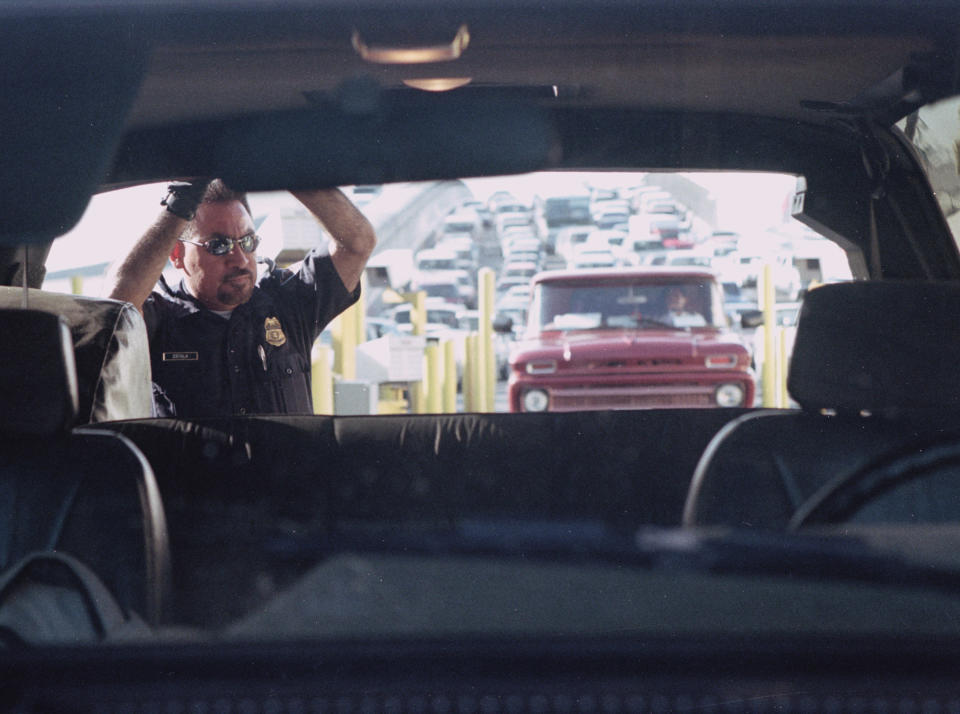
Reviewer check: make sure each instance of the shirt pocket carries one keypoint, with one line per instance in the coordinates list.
(285, 383)
(181, 377)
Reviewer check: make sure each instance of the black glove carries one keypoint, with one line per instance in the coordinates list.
(183, 197)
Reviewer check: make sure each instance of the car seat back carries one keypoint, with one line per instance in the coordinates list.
(111, 351)
(873, 366)
(85, 492)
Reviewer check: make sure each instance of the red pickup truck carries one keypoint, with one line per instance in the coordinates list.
(628, 339)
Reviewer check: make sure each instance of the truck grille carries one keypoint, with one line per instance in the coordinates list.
(580, 398)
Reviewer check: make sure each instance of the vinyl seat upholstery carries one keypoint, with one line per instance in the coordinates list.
(83, 491)
(857, 404)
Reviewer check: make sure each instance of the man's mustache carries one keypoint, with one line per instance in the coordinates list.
(238, 273)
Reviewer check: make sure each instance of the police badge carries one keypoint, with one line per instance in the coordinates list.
(273, 333)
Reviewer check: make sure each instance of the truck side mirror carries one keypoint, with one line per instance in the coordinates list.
(750, 319)
(503, 325)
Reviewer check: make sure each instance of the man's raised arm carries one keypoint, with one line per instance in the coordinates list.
(353, 236)
(134, 277)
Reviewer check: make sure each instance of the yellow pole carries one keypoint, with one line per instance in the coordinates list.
(418, 313)
(449, 377)
(321, 380)
(76, 284)
(336, 340)
(347, 359)
(418, 326)
(769, 306)
(470, 375)
(431, 369)
(490, 374)
(360, 315)
(485, 367)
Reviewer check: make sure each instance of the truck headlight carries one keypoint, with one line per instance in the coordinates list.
(535, 400)
(729, 395)
(542, 366)
(721, 361)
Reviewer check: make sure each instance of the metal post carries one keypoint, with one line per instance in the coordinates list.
(347, 359)
(470, 375)
(486, 369)
(360, 315)
(321, 380)
(490, 374)
(418, 325)
(336, 340)
(433, 379)
(449, 377)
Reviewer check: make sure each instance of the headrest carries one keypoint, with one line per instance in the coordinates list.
(38, 378)
(878, 345)
(111, 349)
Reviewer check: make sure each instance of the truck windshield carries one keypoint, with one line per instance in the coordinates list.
(631, 304)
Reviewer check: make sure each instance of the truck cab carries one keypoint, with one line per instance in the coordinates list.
(628, 339)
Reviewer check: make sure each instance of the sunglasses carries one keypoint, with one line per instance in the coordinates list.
(223, 245)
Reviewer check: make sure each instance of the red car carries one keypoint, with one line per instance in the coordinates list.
(628, 339)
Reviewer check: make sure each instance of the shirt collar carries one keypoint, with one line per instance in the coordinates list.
(181, 296)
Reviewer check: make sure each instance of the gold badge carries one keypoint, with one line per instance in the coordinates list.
(273, 332)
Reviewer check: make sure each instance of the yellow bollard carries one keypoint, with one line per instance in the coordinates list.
(433, 379)
(486, 369)
(336, 340)
(470, 375)
(490, 356)
(76, 284)
(449, 377)
(321, 379)
(345, 359)
(418, 313)
(768, 303)
(418, 325)
(360, 316)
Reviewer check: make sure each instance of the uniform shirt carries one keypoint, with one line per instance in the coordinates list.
(255, 362)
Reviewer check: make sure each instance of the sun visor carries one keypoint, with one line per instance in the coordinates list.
(68, 85)
(412, 140)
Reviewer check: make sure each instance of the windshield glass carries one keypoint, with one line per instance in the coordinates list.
(639, 303)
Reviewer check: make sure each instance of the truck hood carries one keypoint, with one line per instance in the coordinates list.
(614, 345)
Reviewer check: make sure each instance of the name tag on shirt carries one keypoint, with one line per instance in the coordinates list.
(181, 356)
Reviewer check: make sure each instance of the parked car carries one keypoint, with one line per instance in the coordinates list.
(454, 286)
(599, 340)
(593, 256)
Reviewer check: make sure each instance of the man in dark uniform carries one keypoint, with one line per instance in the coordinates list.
(223, 342)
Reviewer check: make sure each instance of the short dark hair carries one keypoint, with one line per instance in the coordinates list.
(218, 192)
